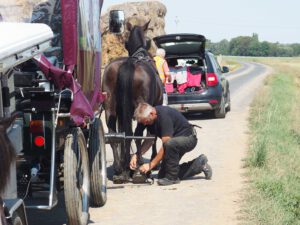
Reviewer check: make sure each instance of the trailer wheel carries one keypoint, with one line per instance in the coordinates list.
(76, 178)
(97, 161)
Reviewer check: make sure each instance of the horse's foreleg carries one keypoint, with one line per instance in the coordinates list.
(154, 150)
(139, 132)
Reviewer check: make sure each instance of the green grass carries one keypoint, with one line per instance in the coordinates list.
(273, 196)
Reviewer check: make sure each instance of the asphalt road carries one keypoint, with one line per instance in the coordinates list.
(195, 201)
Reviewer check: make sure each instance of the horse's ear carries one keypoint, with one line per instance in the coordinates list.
(129, 26)
(148, 43)
(145, 27)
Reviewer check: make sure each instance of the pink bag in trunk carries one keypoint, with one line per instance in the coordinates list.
(194, 80)
(169, 87)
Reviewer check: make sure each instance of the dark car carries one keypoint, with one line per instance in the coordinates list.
(198, 81)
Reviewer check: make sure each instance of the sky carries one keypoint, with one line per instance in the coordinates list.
(273, 20)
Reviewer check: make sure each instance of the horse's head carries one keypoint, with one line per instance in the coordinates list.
(137, 38)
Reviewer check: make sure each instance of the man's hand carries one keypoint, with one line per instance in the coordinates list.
(133, 161)
(169, 78)
(145, 168)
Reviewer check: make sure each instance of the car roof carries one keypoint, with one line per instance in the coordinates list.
(182, 45)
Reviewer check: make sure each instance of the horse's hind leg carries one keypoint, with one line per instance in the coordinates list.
(139, 132)
(121, 157)
(111, 122)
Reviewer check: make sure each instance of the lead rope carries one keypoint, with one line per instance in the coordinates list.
(194, 125)
(194, 132)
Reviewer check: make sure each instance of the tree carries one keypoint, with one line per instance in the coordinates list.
(264, 49)
(251, 46)
(240, 46)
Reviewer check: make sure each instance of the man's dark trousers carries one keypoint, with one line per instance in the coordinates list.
(174, 149)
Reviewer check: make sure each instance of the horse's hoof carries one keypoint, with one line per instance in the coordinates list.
(120, 179)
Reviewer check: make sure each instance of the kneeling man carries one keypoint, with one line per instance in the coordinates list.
(178, 137)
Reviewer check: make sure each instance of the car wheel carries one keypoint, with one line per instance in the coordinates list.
(220, 112)
(228, 108)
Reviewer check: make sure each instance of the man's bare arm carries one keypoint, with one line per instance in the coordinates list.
(160, 154)
(149, 166)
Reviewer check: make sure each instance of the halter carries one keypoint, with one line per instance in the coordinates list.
(141, 54)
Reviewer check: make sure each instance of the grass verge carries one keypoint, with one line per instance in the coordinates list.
(273, 196)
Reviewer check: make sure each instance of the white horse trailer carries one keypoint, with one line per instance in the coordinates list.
(19, 42)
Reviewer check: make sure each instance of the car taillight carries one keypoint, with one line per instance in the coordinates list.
(36, 126)
(211, 79)
(39, 141)
(213, 101)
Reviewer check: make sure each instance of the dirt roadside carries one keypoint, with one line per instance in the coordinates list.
(195, 201)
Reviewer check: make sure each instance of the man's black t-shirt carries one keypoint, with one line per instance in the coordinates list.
(171, 123)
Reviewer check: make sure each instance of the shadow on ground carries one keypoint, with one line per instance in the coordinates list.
(55, 216)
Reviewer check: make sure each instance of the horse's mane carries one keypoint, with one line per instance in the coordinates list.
(135, 41)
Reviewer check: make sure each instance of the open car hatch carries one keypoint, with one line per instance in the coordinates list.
(189, 45)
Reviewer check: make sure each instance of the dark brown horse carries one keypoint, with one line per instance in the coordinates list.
(7, 156)
(127, 82)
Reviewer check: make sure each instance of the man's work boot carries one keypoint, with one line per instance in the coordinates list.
(195, 167)
(165, 181)
(207, 171)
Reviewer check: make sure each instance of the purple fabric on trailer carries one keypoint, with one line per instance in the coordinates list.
(82, 57)
(80, 108)
(69, 10)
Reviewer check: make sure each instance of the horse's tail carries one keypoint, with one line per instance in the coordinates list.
(124, 95)
(124, 103)
(7, 152)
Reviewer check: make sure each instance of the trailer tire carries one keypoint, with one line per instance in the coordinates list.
(18, 218)
(76, 178)
(97, 160)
